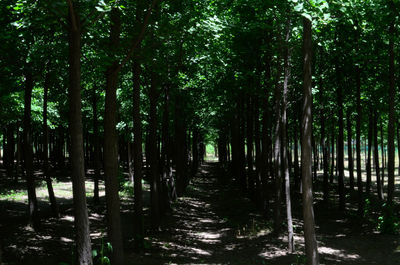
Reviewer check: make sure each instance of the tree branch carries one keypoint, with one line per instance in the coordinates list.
(86, 21)
(140, 37)
(73, 16)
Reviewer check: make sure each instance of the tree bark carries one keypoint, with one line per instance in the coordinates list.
(323, 144)
(350, 151)
(291, 247)
(96, 142)
(28, 150)
(277, 155)
(368, 162)
(398, 146)
(358, 141)
(137, 156)
(311, 246)
(83, 245)
(391, 126)
(111, 147)
(249, 143)
(376, 157)
(340, 140)
(333, 156)
(53, 202)
(153, 160)
(165, 198)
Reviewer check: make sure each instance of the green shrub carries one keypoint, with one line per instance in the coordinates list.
(388, 222)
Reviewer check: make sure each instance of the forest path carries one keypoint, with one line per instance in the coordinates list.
(215, 224)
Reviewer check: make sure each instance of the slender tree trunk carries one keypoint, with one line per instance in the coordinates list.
(291, 247)
(383, 156)
(376, 158)
(111, 147)
(323, 144)
(391, 126)
(10, 150)
(259, 198)
(19, 147)
(340, 140)
(241, 144)
(96, 143)
(249, 142)
(153, 160)
(28, 152)
(165, 198)
(277, 156)
(137, 156)
(311, 246)
(265, 132)
(53, 202)
(368, 162)
(358, 141)
(83, 245)
(333, 156)
(297, 178)
(350, 151)
(398, 146)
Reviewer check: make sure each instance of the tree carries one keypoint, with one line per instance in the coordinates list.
(306, 150)
(83, 245)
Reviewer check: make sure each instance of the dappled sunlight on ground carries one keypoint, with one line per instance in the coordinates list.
(214, 223)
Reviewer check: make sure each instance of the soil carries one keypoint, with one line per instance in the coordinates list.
(214, 223)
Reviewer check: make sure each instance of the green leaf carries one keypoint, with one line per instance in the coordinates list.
(299, 7)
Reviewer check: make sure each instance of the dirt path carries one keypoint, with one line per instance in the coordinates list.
(215, 224)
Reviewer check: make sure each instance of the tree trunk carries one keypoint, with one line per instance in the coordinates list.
(10, 150)
(53, 202)
(111, 147)
(96, 142)
(368, 162)
(340, 140)
(323, 144)
(358, 141)
(297, 178)
(165, 198)
(333, 156)
(311, 247)
(383, 156)
(391, 126)
(258, 197)
(376, 158)
(83, 246)
(153, 160)
(350, 151)
(398, 145)
(249, 142)
(277, 155)
(291, 247)
(19, 147)
(265, 138)
(137, 156)
(28, 152)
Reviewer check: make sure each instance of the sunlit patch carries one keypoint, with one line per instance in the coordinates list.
(338, 253)
(199, 251)
(273, 252)
(68, 218)
(67, 240)
(230, 247)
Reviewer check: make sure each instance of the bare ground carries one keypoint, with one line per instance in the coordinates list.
(213, 224)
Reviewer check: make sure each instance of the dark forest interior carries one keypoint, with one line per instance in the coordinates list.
(199, 132)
